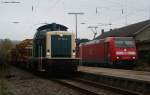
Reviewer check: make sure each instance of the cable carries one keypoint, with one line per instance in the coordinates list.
(56, 3)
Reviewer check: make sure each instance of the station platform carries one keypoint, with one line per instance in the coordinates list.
(127, 74)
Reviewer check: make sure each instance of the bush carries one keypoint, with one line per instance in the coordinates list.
(5, 47)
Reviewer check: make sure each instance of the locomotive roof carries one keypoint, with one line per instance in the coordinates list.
(53, 27)
(92, 42)
(106, 39)
(41, 31)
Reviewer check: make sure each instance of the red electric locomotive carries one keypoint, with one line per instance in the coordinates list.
(111, 51)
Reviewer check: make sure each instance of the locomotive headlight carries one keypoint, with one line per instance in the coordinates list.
(48, 53)
(125, 49)
(133, 57)
(117, 57)
(73, 53)
(60, 34)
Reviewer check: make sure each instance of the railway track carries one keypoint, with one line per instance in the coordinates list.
(71, 84)
(110, 88)
(93, 88)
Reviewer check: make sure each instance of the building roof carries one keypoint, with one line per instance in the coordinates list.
(129, 31)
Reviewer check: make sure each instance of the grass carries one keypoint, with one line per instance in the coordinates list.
(4, 89)
(4, 70)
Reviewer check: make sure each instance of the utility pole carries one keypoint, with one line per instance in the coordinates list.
(149, 12)
(76, 20)
(126, 15)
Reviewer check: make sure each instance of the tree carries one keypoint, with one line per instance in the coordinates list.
(5, 47)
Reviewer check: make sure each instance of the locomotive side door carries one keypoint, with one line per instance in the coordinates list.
(106, 52)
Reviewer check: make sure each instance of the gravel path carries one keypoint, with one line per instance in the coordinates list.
(24, 83)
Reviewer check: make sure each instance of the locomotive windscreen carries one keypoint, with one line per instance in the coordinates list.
(61, 46)
(124, 42)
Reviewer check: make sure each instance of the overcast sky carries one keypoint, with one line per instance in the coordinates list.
(116, 12)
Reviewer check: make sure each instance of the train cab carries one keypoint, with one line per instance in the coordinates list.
(120, 50)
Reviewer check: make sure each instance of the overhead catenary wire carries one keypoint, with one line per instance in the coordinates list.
(122, 9)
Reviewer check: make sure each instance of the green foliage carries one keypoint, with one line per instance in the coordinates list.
(4, 70)
(5, 47)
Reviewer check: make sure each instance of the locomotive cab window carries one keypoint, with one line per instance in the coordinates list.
(124, 42)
